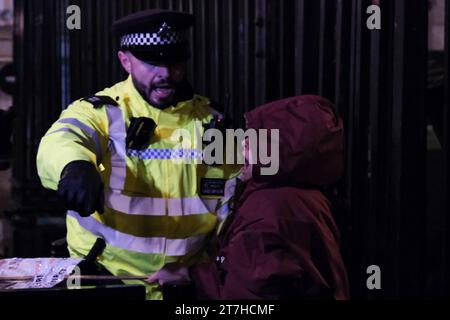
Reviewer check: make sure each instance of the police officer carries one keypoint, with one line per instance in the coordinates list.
(114, 157)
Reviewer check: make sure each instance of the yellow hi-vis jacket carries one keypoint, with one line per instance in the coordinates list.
(155, 209)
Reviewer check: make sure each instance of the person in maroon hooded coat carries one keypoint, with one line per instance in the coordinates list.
(281, 240)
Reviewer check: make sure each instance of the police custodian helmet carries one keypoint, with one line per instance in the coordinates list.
(155, 35)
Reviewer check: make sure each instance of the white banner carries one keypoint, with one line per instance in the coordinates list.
(35, 273)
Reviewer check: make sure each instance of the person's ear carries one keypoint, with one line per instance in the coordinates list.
(125, 61)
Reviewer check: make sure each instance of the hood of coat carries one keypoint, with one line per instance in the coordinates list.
(310, 142)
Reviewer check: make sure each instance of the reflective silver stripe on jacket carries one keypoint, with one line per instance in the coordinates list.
(115, 200)
(85, 128)
(155, 245)
(117, 136)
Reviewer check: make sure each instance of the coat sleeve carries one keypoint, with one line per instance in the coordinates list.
(270, 254)
(79, 134)
(258, 264)
(254, 265)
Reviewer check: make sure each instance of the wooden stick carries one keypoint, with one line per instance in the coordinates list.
(17, 278)
(81, 277)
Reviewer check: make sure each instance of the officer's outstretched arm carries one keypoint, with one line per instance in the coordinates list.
(79, 134)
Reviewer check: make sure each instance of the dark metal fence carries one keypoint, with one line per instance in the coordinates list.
(253, 51)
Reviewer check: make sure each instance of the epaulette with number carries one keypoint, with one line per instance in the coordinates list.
(98, 101)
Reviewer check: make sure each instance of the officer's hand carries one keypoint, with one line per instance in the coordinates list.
(81, 188)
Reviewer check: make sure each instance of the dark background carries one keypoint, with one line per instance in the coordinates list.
(387, 85)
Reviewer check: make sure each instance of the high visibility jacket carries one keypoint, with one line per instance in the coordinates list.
(155, 209)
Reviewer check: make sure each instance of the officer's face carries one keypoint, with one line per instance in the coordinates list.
(246, 170)
(157, 83)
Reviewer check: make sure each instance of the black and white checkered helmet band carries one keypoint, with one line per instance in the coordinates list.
(151, 39)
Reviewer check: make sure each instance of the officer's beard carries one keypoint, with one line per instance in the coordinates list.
(145, 91)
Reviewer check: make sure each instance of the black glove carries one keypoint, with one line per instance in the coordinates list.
(81, 188)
